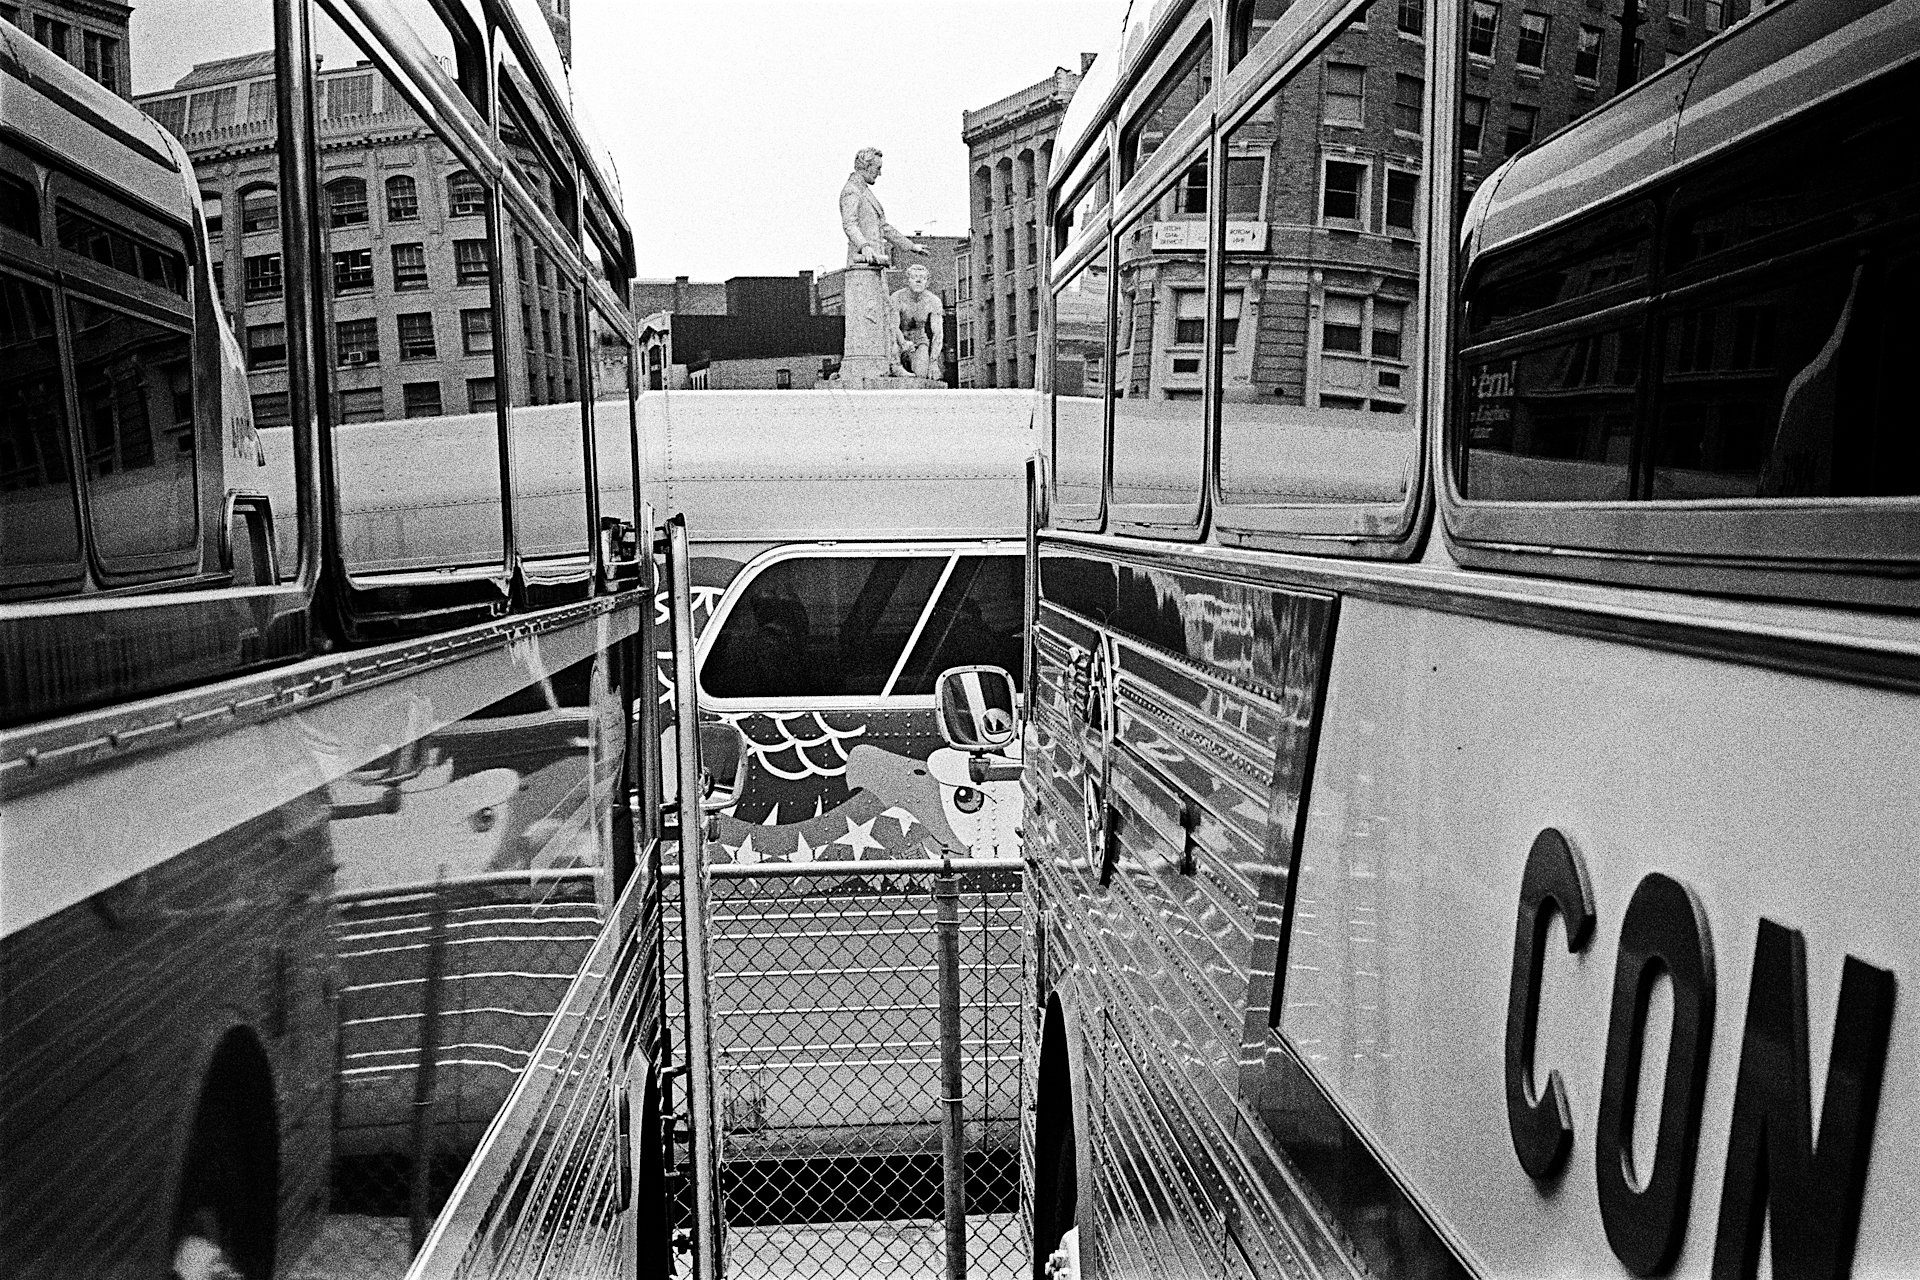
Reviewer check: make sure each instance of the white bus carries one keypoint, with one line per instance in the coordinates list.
(1469, 726)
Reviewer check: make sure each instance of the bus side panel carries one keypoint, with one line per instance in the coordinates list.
(1450, 744)
(1172, 741)
(113, 1009)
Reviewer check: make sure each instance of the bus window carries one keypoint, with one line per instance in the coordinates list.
(820, 626)
(1084, 207)
(1248, 22)
(409, 332)
(1317, 327)
(612, 370)
(1179, 92)
(1159, 354)
(39, 532)
(977, 621)
(1080, 393)
(543, 370)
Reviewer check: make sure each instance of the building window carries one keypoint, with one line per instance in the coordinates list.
(260, 103)
(219, 279)
(1230, 319)
(403, 199)
(266, 345)
(987, 312)
(986, 253)
(1403, 193)
(1677, 10)
(262, 276)
(476, 331)
(270, 409)
(421, 399)
(213, 209)
(212, 110)
(1409, 115)
(1389, 320)
(466, 198)
(481, 396)
(783, 379)
(259, 210)
(169, 113)
(1033, 242)
(1340, 323)
(1009, 244)
(1413, 16)
(346, 202)
(349, 96)
(963, 277)
(1533, 41)
(1033, 310)
(50, 33)
(353, 271)
(356, 342)
(1483, 25)
(1343, 192)
(409, 267)
(103, 57)
(470, 262)
(966, 339)
(1586, 59)
(1715, 14)
(1473, 119)
(1009, 314)
(1189, 317)
(366, 404)
(1345, 99)
(1246, 176)
(1521, 122)
(416, 336)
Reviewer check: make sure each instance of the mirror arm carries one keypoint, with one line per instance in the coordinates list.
(984, 770)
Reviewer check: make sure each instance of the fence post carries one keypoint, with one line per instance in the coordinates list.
(953, 1134)
(426, 1065)
(708, 1233)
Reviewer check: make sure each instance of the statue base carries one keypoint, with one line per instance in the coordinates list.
(884, 382)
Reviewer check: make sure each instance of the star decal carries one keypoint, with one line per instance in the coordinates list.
(906, 820)
(802, 852)
(743, 853)
(860, 836)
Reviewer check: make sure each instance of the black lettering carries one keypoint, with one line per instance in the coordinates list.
(1813, 1192)
(1664, 929)
(1554, 880)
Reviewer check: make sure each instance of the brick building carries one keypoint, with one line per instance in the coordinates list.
(1002, 274)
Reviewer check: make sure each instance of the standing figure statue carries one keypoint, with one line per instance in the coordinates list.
(870, 240)
(922, 324)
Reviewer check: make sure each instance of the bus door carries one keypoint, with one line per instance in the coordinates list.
(825, 658)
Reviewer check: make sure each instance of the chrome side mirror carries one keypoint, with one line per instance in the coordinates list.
(977, 707)
(723, 765)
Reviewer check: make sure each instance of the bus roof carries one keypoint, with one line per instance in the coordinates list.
(1774, 66)
(758, 466)
(93, 130)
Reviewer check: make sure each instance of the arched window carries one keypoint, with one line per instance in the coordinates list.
(1006, 183)
(1247, 22)
(983, 188)
(403, 199)
(259, 210)
(346, 202)
(466, 198)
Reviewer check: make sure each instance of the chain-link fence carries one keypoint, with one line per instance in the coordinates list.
(445, 990)
(826, 1006)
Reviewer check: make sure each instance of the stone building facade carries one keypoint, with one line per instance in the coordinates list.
(91, 34)
(1002, 274)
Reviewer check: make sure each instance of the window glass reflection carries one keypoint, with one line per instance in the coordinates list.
(1080, 388)
(1159, 364)
(39, 534)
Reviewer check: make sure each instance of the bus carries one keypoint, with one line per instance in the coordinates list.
(1468, 715)
(301, 846)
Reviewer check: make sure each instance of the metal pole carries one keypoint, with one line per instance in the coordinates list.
(693, 911)
(420, 1220)
(953, 1134)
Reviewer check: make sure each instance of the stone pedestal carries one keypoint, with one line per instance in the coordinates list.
(868, 353)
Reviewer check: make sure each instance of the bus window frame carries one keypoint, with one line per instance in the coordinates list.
(951, 550)
(617, 575)
(1151, 81)
(1192, 143)
(1355, 530)
(1092, 168)
(1089, 517)
(1801, 549)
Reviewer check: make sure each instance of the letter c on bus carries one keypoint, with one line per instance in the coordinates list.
(1554, 880)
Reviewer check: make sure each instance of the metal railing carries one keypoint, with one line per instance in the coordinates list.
(566, 1181)
(866, 1052)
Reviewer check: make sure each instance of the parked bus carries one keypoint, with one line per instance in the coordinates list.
(1468, 715)
(300, 848)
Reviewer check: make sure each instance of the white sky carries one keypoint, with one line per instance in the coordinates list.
(734, 122)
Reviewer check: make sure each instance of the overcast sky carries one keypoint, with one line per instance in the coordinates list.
(734, 122)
